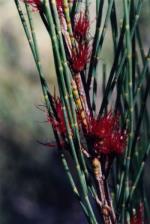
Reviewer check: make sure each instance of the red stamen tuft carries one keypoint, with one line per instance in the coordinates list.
(59, 4)
(58, 122)
(81, 27)
(80, 57)
(106, 135)
(138, 217)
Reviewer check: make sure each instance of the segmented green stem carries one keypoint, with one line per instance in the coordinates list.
(99, 43)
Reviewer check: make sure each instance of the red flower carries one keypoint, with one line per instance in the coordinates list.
(138, 218)
(36, 4)
(58, 121)
(80, 57)
(105, 124)
(81, 27)
(59, 4)
(118, 141)
(106, 135)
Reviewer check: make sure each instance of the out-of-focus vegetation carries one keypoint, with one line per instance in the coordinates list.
(33, 187)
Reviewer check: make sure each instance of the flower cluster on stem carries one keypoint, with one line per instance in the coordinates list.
(105, 134)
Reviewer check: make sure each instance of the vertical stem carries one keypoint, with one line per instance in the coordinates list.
(130, 103)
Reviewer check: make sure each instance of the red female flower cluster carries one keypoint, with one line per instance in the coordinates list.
(59, 4)
(58, 121)
(81, 54)
(80, 57)
(81, 27)
(106, 136)
(138, 218)
(36, 4)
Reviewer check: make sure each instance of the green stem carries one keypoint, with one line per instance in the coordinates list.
(139, 173)
(99, 43)
(118, 64)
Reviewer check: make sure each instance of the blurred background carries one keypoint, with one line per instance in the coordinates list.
(33, 186)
